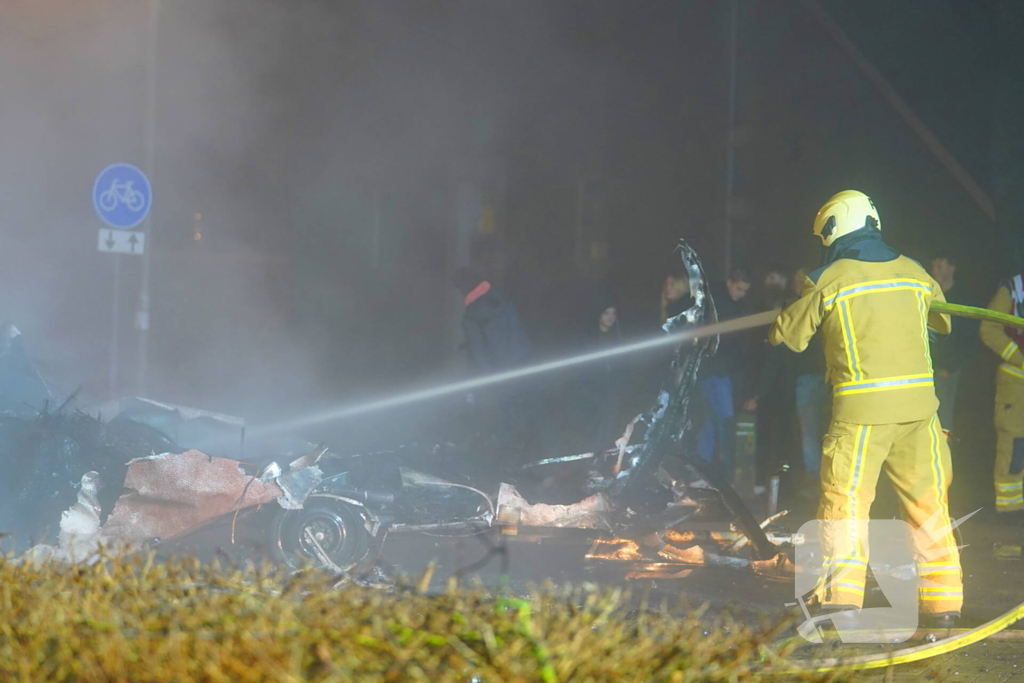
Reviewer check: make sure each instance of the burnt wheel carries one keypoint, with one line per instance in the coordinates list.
(325, 526)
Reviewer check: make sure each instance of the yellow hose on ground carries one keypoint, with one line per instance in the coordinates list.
(916, 653)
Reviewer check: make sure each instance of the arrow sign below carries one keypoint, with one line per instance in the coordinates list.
(122, 241)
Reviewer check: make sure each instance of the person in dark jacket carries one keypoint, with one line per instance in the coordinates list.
(800, 378)
(497, 341)
(813, 398)
(494, 332)
(717, 373)
(599, 387)
(950, 355)
(770, 390)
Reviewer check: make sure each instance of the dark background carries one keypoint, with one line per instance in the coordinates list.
(345, 156)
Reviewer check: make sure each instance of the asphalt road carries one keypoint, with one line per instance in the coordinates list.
(992, 586)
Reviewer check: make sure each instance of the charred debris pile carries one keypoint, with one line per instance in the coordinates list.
(183, 479)
(46, 457)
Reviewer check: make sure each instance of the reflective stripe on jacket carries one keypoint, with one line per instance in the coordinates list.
(875, 319)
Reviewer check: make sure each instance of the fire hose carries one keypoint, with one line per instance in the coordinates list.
(960, 640)
(918, 652)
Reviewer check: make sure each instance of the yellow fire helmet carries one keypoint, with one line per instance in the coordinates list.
(844, 213)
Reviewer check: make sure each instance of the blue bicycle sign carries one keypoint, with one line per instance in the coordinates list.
(122, 196)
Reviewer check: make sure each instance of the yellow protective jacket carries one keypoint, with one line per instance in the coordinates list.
(872, 306)
(994, 336)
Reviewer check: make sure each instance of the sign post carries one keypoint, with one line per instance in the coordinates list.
(115, 325)
(122, 197)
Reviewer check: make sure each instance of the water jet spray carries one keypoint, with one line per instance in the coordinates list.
(417, 395)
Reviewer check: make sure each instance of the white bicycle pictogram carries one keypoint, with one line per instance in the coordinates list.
(122, 193)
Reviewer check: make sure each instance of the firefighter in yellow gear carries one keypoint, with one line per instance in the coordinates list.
(1009, 413)
(872, 307)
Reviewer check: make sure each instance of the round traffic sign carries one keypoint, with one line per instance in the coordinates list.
(122, 196)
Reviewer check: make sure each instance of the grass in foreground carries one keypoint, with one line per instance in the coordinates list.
(132, 619)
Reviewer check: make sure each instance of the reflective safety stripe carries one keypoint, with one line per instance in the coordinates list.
(885, 384)
(922, 311)
(1010, 349)
(929, 568)
(1009, 494)
(863, 436)
(1000, 500)
(1012, 370)
(850, 587)
(850, 341)
(940, 479)
(837, 570)
(847, 293)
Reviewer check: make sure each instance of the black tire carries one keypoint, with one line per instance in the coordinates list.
(339, 529)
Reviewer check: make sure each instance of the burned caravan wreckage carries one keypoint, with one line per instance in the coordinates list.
(161, 474)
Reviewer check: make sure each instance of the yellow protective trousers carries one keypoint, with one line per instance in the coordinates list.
(1009, 422)
(915, 456)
